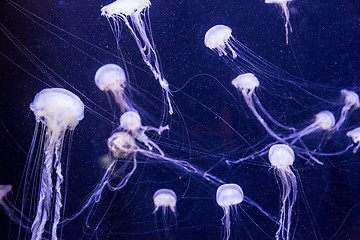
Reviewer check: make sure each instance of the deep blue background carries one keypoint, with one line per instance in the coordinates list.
(324, 49)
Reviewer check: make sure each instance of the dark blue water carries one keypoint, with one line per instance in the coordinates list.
(70, 41)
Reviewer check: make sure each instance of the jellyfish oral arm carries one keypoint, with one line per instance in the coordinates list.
(286, 12)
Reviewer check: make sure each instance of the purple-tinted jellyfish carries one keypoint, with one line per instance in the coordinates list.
(111, 78)
(282, 158)
(57, 110)
(135, 15)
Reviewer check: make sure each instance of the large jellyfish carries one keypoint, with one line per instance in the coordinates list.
(283, 5)
(229, 196)
(112, 78)
(135, 15)
(282, 157)
(58, 110)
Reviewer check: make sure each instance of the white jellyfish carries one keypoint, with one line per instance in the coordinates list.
(355, 136)
(135, 15)
(219, 38)
(165, 198)
(112, 78)
(351, 102)
(283, 5)
(282, 157)
(228, 196)
(58, 110)
(9, 208)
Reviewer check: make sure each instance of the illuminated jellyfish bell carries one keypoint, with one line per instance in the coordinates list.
(218, 38)
(4, 190)
(283, 5)
(111, 78)
(58, 110)
(228, 196)
(165, 199)
(355, 136)
(282, 157)
(351, 102)
(135, 15)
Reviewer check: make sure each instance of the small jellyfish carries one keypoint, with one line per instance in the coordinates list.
(112, 78)
(355, 136)
(4, 190)
(283, 5)
(282, 157)
(324, 120)
(135, 15)
(351, 102)
(131, 122)
(58, 110)
(165, 200)
(228, 196)
(218, 38)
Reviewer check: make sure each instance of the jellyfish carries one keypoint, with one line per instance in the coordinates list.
(282, 157)
(112, 78)
(9, 208)
(283, 5)
(165, 199)
(351, 102)
(57, 110)
(228, 196)
(135, 15)
(355, 136)
(219, 38)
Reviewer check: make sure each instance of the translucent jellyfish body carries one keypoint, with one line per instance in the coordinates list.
(355, 136)
(351, 102)
(135, 15)
(283, 4)
(218, 39)
(228, 196)
(58, 110)
(282, 158)
(165, 213)
(165, 198)
(111, 78)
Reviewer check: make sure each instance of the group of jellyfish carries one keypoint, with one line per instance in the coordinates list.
(58, 110)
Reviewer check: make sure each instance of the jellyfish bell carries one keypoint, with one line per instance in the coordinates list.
(351, 103)
(217, 38)
(355, 137)
(130, 121)
(165, 198)
(246, 83)
(112, 78)
(281, 157)
(125, 7)
(325, 120)
(58, 110)
(228, 196)
(122, 145)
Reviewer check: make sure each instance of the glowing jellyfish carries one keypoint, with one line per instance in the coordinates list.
(58, 110)
(228, 196)
(112, 78)
(218, 38)
(351, 102)
(135, 15)
(9, 210)
(131, 122)
(165, 198)
(283, 5)
(355, 136)
(282, 158)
